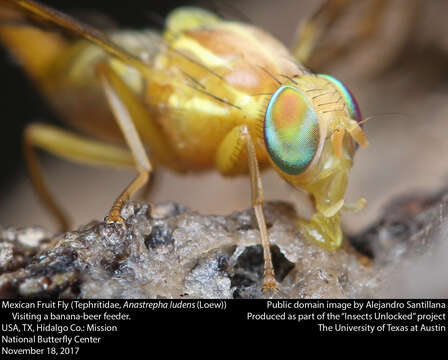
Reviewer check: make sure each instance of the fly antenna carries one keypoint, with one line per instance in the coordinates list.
(363, 121)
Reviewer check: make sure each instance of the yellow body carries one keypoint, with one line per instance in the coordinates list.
(206, 78)
(226, 59)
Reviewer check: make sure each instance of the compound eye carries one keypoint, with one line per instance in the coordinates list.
(352, 104)
(291, 130)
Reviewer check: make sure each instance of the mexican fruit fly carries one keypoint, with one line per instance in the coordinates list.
(207, 93)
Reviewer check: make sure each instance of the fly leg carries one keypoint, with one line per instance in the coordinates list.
(128, 111)
(236, 154)
(133, 119)
(72, 147)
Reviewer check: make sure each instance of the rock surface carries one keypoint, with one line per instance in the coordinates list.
(168, 251)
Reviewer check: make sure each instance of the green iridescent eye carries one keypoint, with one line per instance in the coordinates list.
(291, 130)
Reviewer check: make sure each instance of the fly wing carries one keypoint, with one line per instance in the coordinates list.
(72, 25)
(144, 45)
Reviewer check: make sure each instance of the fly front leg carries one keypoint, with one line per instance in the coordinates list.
(236, 154)
(127, 109)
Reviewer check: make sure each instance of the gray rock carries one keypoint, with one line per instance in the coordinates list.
(168, 251)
